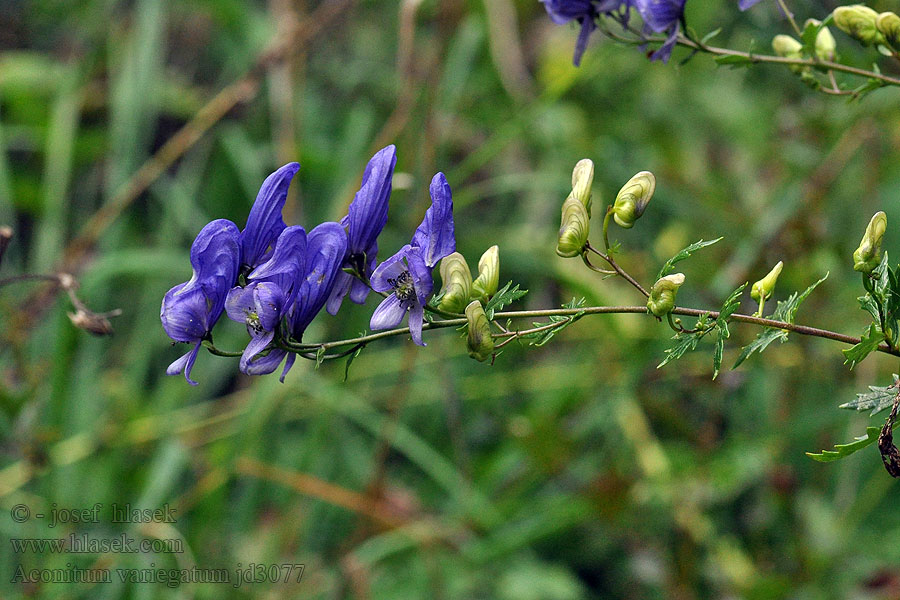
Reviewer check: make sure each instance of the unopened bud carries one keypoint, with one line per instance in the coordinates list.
(479, 340)
(456, 283)
(632, 199)
(485, 285)
(825, 44)
(582, 180)
(662, 294)
(762, 289)
(858, 22)
(787, 47)
(574, 229)
(868, 255)
(888, 24)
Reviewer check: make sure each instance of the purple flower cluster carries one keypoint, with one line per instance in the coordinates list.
(276, 278)
(659, 16)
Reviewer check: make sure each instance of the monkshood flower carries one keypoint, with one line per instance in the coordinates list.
(364, 221)
(271, 289)
(662, 16)
(190, 309)
(586, 13)
(264, 223)
(745, 4)
(407, 275)
(304, 295)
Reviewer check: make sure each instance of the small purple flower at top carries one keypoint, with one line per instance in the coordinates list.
(407, 275)
(264, 223)
(745, 4)
(586, 13)
(189, 310)
(662, 16)
(364, 221)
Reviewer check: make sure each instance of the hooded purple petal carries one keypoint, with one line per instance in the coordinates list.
(189, 310)
(264, 223)
(326, 247)
(435, 236)
(287, 264)
(369, 210)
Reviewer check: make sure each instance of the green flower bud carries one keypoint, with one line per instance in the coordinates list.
(479, 340)
(858, 22)
(868, 255)
(888, 24)
(574, 230)
(762, 289)
(582, 180)
(485, 285)
(786, 46)
(456, 283)
(825, 44)
(662, 294)
(632, 199)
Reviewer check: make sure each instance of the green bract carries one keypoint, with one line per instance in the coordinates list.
(456, 283)
(858, 22)
(868, 255)
(485, 285)
(632, 199)
(478, 340)
(762, 289)
(574, 229)
(662, 294)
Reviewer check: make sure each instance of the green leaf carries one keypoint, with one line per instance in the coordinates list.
(785, 311)
(734, 60)
(684, 343)
(877, 399)
(717, 355)
(870, 341)
(810, 33)
(539, 338)
(683, 254)
(710, 36)
(731, 304)
(350, 362)
(842, 450)
(507, 295)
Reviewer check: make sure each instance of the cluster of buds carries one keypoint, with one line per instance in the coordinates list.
(868, 255)
(576, 212)
(662, 295)
(825, 48)
(859, 22)
(459, 293)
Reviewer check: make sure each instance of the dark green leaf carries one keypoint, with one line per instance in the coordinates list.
(842, 450)
(683, 254)
(710, 36)
(507, 295)
(870, 341)
(877, 399)
(684, 343)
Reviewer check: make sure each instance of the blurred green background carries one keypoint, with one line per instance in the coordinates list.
(576, 470)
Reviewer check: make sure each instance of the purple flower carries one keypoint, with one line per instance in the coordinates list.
(294, 283)
(662, 16)
(364, 221)
(262, 302)
(585, 12)
(189, 310)
(407, 274)
(264, 223)
(745, 4)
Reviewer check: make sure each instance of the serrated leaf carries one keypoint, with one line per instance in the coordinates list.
(710, 36)
(731, 304)
(877, 399)
(785, 311)
(506, 295)
(684, 343)
(868, 344)
(539, 338)
(810, 33)
(684, 253)
(843, 450)
(717, 354)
